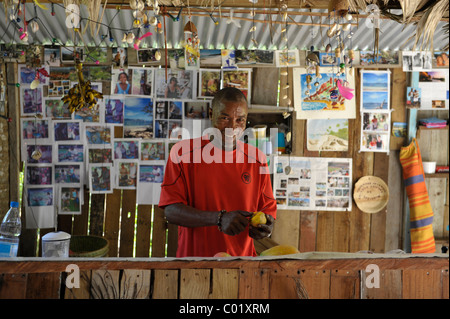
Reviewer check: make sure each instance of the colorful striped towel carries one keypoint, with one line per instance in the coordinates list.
(420, 210)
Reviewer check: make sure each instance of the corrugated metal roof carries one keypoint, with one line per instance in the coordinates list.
(393, 35)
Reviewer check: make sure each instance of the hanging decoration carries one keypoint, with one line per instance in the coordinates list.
(81, 94)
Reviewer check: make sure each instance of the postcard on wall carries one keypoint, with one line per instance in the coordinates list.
(413, 97)
(375, 131)
(119, 57)
(257, 57)
(239, 78)
(69, 174)
(52, 56)
(323, 97)
(369, 58)
(70, 200)
(417, 61)
(150, 178)
(38, 175)
(65, 152)
(313, 183)
(209, 82)
(149, 56)
(126, 148)
(152, 150)
(287, 58)
(36, 131)
(31, 101)
(375, 90)
(57, 109)
(180, 84)
(67, 131)
(101, 177)
(114, 107)
(39, 206)
(29, 74)
(327, 135)
(211, 57)
(434, 89)
(98, 135)
(399, 129)
(38, 154)
(441, 60)
(228, 59)
(138, 117)
(126, 174)
(121, 81)
(142, 81)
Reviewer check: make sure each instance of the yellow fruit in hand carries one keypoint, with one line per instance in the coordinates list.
(280, 250)
(258, 218)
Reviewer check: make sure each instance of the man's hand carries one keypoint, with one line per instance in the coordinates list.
(235, 222)
(262, 231)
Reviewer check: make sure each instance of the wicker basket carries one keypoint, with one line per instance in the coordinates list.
(88, 246)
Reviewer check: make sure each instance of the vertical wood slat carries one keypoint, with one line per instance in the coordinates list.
(390, 285)
(194, 283)
(112, 221)
(143, 230)
(105, 284)
(316, 283)
(80, 222)
(43, 285)
(254, 283)
(135, 284)
(225, 283)
(159, 233)
(13, 286)
(165, 284)
(127, 223)
(344, 284)
(84, 291)
(97, 215)
(422, 284)
(308, 226)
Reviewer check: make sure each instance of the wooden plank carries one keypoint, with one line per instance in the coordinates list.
(97, 215)
(422, 284)
(436, 188)
(172, 240)
(143, 230)
(253, 283)
(445, 284)
(316, 283)
(135, 284)
(112, 221)
(283, 284)
(165, 284)
(225, 283)
(194, 283)
(43, 285)
(127, 223)
(390, 285)
(13, 286)
(286, 228)
(344, 284)
(308, 226)
(159, 233)
(84, 291)
(398, 104)
(325, 227)
(264, 92)
(341, 231)
(105, 284)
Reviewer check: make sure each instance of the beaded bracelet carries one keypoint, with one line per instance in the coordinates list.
(219, 219)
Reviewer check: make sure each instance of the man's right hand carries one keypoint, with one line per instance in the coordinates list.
(235, 222)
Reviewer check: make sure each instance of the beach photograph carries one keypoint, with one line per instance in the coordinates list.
(210, 57)
(138, 117)
(327, 135)
(375, 100)
(375, 81)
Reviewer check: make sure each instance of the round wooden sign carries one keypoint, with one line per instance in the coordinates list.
(371, 194)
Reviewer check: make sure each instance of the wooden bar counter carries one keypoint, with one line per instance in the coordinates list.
(316, 275)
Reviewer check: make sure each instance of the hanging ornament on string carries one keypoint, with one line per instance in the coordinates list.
(192, 44)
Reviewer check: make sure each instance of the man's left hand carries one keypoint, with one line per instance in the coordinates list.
(262, 231)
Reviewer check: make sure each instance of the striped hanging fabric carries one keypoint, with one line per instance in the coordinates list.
(421, 212)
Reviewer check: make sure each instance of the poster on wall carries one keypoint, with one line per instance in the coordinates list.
(313, 183)
(327, 135)
(434, 86)
(324, 96)
(375, 111)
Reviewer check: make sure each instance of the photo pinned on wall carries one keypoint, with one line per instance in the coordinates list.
(31, 101)
(180, 84)
(52, 56)
(150, 177)
(69, 153)
(97, 155)
(119, 57)
(36, 131)
(56, 109)
(374, 142)
(376, 122)
(197, 110)
(40, 196)
(99, 135)
(67, 130)
(287, 58)
(89, 115)
(368, 58)
(39, 207)
(68, 174)
(228, 59)
(126, 149)
(142, 81)
(413, 97)
(71, 54)
(320, 97)
(152, 150)
(97, 55)
(211, 57)
(259, 57)
(328, 59)
(434, 89)
(138, 117)
(209, 83)
(399, 129)
(417, 61)
(121, 81)
(46, 151)
(126, 174)
(441, 60)
(114, 108)
(58, 88)
(239, 78)
(177, 59)
(28, 74)
(70, 200)
(149, 56)
(375, 90)
(101, 178)
(39, 175)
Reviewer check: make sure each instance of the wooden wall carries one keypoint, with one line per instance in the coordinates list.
(142, 231)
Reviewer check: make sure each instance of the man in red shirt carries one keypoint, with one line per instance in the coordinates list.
(213, 184)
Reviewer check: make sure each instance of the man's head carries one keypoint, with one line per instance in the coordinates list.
(229, 115)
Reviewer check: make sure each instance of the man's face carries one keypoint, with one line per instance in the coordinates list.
(231, 122)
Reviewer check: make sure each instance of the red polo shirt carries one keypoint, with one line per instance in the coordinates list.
(205, 177)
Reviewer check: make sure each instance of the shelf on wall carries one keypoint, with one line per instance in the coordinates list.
(436, 175)
(421, 127)
(257, 108)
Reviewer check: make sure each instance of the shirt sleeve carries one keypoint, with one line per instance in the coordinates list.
(173, 187)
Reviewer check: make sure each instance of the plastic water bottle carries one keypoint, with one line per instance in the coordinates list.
(10, 230)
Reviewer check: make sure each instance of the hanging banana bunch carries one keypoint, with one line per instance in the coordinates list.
(81, 94)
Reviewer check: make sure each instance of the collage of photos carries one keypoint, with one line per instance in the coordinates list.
(434, 87)
(375, 111)
(313, 184)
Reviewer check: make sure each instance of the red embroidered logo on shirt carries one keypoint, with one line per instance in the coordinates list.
(246, 178)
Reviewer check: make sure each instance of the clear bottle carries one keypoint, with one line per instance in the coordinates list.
(10, 230)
